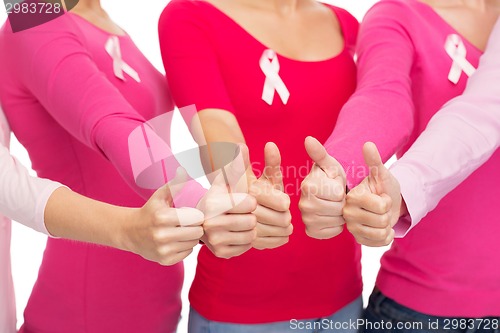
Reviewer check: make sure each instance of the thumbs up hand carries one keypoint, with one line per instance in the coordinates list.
(373, 207)
(274, 225)
(160, 233)
(230, 226)
(322, 194)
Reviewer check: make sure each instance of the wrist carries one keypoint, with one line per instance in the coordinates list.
(124, 227)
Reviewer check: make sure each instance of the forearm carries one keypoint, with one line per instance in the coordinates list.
(72, 216)
(218, 126)
(381, 109)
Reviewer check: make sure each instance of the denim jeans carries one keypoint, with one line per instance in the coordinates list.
(385, 315)
(349, 314)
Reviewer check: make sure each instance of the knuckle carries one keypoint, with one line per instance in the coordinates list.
(284, 240)
(222, 253)
(313, 233)
(385, 220)
(285, 201)
(337, 192)
(305, 205)
(249, 237)
(351, 198)
(285, 219)
(253, 235)
(165, 252)
(212, 203)
(199, 232)
(159, 240)
(163, 217)
(383, 206)
(309, 186)
(379, 234)
(215, 239)
(307, 220)
(348, 212)
(251, 221)
(333, 232)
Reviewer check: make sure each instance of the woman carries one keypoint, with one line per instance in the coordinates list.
(459, 139)
(262, 71)
(49, 208)
(73, 90)
(414, 56)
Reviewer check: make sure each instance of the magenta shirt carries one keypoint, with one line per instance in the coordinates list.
(67, 107)
(460, 138)
(448, 265)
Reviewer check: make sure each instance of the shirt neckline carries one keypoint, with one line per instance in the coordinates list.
(443, 22)
(107, 33)
(246, 32)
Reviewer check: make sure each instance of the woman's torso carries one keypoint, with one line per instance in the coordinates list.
(447, 265)
(86, 288)
(306, 278)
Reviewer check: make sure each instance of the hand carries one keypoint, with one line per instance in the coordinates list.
(274, 225)
(230, 226)
(373, 207)
(322, 194)
(163, 234)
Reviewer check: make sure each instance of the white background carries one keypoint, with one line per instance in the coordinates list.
(140, 22)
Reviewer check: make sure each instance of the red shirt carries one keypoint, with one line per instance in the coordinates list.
(212, 62)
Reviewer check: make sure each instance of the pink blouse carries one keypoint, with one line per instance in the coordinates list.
(73, 107)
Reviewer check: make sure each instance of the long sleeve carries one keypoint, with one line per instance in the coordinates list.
(22, 197)
(458, 139)
(190, 59)
(381, 110)
(56, 67)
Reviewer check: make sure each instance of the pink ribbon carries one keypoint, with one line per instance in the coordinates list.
(119, 66)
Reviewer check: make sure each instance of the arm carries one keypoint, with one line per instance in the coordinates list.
(48, 207)
(22, 197)
(457, 140)
(381, 110)
(156, 231)
(195, 77)
(54, 65)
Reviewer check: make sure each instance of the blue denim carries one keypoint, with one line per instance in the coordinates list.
(349, 314)
(384, 315)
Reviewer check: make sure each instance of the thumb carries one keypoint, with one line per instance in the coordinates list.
(320, 156)
(272, 169)
(168, 192)
(232, 175)
(378, 171)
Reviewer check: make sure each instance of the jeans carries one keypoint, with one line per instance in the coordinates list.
(385, 315)
(350, 313)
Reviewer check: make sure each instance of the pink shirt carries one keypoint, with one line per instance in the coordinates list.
(460, 138)
(22, 198)
(449, 264)
(74, 115)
